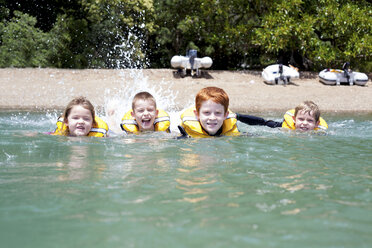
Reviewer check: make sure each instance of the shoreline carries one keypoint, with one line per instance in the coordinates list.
(45, 89)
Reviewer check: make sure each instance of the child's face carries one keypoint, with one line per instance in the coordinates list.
(211, 116)
(305, 121)
(79, 121)
(145, 113)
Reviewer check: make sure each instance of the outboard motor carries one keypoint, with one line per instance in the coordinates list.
(192, 54)
(190, 62)
(283, 78)
(348, 73)
(345, 68)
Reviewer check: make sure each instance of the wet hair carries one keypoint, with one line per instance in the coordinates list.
(215, 94)
(145, 96)
(308, 107)
(82, 101)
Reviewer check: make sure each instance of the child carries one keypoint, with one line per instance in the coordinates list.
(144, 116)
(210, 116)
(79, 119)
(305, 117)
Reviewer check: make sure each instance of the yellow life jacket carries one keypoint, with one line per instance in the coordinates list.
(99, 128)
(289, 122)
(193, 128)
(161, 123)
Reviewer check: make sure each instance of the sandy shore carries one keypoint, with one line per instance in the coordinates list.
(32, 89)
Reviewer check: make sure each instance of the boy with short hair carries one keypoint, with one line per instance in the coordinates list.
(210, 116)
(144, 115)
(305, 117)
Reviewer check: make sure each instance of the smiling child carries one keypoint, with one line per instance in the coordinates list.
(210, 116)
(79, 119)
(144, 115)
(305, 117)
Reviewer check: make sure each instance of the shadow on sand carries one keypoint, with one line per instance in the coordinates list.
(288, 84)
(203, 74)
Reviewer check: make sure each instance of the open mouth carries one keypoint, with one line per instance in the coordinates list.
(146, 122)
(80, 129)
(212, 124)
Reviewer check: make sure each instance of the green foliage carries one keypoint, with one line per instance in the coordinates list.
(4, 12)
(324, 33)
(22, 44)
(220, 29)
(311, 34)
(347, 28)
(69, 43)
(119, 31)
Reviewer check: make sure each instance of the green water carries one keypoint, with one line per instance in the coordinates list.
(271, 189)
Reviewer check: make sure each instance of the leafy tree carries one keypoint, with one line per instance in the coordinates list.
(69, 40)
(173, 33)
(220, 29)
(45, 11)
(311, 34)
(22, 44)
(321, 33)
(119, 32)
(237, 33)
(231, 26)
(89, 33)
(4, 12)
(347, 27)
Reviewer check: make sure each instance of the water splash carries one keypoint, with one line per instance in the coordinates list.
(28, 121)
(132, 62)
(117, 103)
(129, 54)
(360, 127)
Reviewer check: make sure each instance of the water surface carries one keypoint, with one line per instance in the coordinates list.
(268, 189)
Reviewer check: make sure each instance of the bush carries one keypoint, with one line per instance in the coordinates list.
(22, 44)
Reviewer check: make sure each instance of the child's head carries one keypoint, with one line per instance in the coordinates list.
(306, 116)
(79, 117)
(211, 105)
(144, 111)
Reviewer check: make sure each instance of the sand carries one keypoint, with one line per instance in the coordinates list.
(38, 89)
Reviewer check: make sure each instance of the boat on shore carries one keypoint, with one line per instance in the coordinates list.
(342, 76)
(190, 63)
(279, 74)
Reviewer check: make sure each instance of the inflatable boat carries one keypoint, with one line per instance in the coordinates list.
(279, 74)
(190, 62)
(344, 76)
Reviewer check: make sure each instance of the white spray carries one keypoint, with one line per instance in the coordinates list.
(117, 103)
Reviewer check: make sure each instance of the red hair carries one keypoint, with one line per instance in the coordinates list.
(215, 94)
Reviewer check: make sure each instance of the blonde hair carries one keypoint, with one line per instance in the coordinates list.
(82, 101)
(308, 107)
(215, 94)
(144, 95)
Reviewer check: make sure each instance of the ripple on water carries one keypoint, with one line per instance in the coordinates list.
(267, 189)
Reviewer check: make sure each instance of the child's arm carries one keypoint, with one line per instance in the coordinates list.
(183, 133)
(257, 121)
